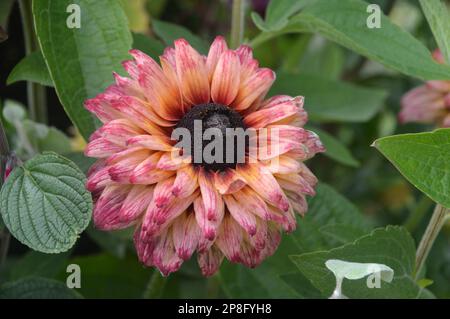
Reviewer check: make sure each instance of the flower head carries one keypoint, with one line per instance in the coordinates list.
(234, 208)
(429, 103)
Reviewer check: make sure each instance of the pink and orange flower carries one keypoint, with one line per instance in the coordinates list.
(178, 208)
(429, 103)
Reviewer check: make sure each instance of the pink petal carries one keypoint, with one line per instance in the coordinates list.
(228, 181)
(218, 46)
(210, 261)
(186, 235)
(243, 217)
(192, 73)
(253, 88)
(185, 182)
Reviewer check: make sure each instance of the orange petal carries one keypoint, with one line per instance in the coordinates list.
(218, 46)
(228, 181)
(225, 82)
(253, 88)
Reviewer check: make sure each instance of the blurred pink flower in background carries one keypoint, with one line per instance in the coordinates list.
(429, 103)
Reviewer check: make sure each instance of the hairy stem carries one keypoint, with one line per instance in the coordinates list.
(237, 23)
(155, 286)
(35, 92)
(437, 220)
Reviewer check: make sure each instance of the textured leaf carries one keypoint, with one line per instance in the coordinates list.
(329, 100)
(44, 203)
(37, 288)
(277, 277)
(344, 22)
(31, 68)
(392, 246)
(439, 20)
(81, 61)
(423, 159)
(335, 149)
(170, 32)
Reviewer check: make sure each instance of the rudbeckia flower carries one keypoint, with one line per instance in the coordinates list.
(429, 103)
(218, 209)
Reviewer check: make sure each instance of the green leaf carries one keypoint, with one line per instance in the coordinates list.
(392, 246)
(109, 241)
(138, 17)
(104, 276)
(37, 288)
(81, 61)
(278, 12)
(423, 159)
(329, 100)
(31, 68)
(38, 264)
(44, 203)
(335, 149)
(277, 277)
(438, 18)
(83, 162)
(148, 45)
(344, 22)
(46, 138)
(13, 111)
(170, 32)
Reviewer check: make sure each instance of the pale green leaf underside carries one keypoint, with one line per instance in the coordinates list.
(424, 159)
(392, 246)
(44, 203)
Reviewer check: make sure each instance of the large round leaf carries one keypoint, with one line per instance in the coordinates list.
(44, 203)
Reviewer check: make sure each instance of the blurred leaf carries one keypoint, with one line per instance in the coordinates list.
(80, 61)
(45, 204)
(83, 162)
(31, 68)
(438, 18)
(104, 276)
(335, 149)
(108, 241)
(137, 15)
(37, 288)
(38, 264)
(329, 100)
(323, 58)
(45, 138)
(148, 45)
(277, 277)
(423, 159)
(392, 246)
(5, 10)
(170, 32)
(344, 22)
(278, 12)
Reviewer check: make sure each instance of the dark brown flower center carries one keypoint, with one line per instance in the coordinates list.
(220, 118)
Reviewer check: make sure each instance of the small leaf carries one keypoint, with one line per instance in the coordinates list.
(423, 159)
(31, 68)
(170, 32)
(391, 246)
(44, 203)
(330, 100)
(438, 18)
(81, 61)
(335, 149)
(39, 264)
(37, 288)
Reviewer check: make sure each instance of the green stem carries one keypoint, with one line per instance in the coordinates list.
(155, 286)
(237, 23)
(35, 92)
(437, 220)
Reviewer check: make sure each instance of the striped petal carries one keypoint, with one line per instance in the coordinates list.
(225, 82)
